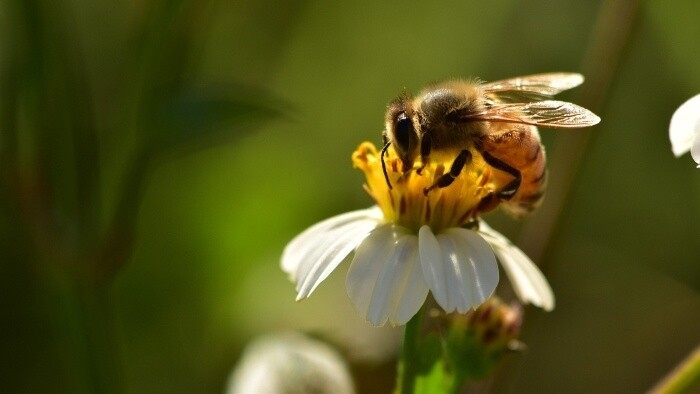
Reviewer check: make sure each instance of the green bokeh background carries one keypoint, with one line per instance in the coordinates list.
(247, 113)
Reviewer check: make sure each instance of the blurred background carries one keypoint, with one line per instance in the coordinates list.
(156, 156)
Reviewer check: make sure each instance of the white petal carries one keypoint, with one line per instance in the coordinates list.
(527, 280)
(297, 247)
(384, 281)
(433, 269)
(459, 267)
(695, 149)
(685, 126)
(315, 253)
(476, 274)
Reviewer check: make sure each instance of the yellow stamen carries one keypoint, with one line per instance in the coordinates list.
(407, 204)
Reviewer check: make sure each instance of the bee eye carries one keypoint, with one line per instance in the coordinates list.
(403, 130)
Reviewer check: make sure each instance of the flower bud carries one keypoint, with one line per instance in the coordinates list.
(477, 341)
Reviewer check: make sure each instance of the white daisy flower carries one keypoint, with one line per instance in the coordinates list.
(684, 130)
(412, 243)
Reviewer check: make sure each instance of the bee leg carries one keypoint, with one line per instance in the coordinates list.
(511, 188)
(488, 203)
(464, 158)
(425, 146)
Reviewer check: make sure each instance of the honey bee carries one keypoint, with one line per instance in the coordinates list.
(497, 120)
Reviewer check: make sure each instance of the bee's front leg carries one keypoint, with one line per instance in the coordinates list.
(464, 158)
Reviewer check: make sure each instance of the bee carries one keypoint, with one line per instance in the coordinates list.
(497, 120)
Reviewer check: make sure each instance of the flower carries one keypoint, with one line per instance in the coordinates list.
(684, 130)
(290, 362)
(413, 242)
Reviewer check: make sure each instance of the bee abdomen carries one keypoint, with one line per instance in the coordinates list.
(521, 149)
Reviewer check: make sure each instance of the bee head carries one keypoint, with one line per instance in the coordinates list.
(401, 131)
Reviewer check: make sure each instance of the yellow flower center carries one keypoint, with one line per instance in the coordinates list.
(407, 203)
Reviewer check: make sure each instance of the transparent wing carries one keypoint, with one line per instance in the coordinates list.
(515, 96)
(548, 113)
(532, 87)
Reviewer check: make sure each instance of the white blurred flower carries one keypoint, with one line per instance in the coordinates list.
(684, 130)
(412, 243)
(290, 363)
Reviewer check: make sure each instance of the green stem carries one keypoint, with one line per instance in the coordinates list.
(409, 354)
(684, 377)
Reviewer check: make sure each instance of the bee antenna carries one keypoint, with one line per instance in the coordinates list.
(386, 174)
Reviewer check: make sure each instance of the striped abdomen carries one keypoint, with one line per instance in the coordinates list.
(520, 148)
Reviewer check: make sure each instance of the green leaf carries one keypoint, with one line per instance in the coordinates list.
(436, 380)
(468, 355)
(428, 368)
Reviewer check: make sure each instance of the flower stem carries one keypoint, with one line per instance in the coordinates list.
(683, 378)
(409, 355)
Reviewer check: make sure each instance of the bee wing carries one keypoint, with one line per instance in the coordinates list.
(548, 113)
(531, 87)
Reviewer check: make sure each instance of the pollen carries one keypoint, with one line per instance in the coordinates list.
(412, 201)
